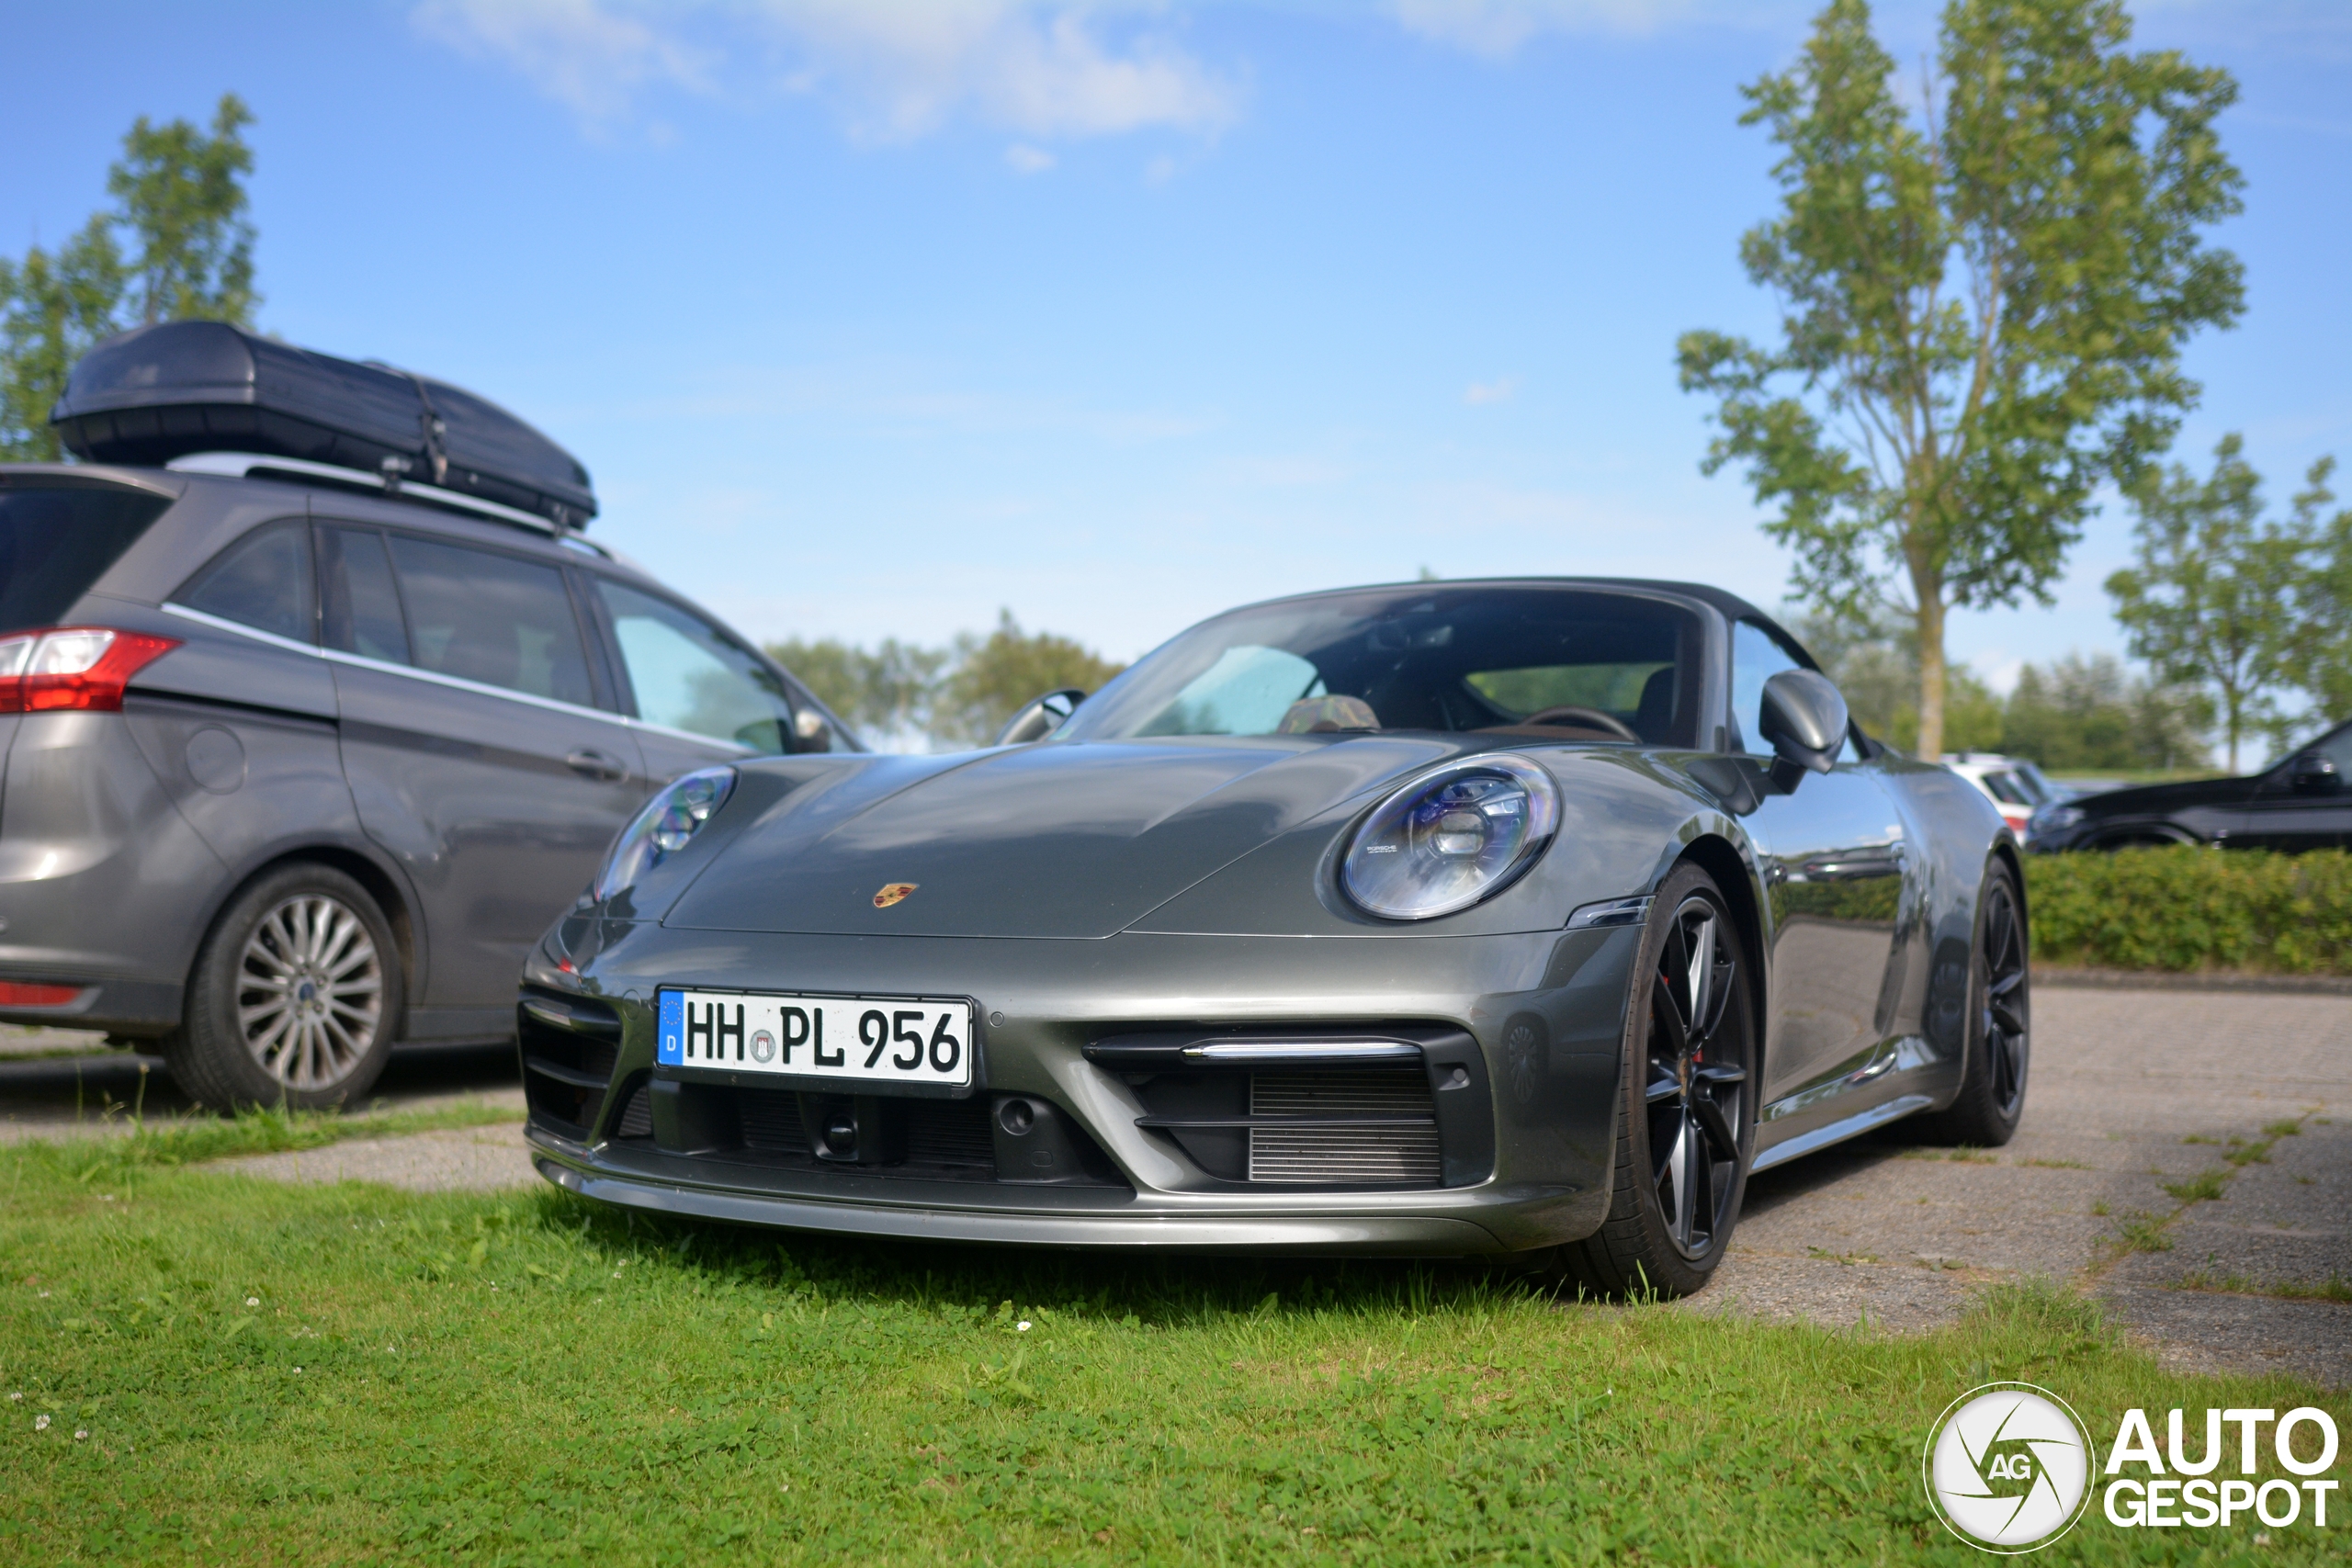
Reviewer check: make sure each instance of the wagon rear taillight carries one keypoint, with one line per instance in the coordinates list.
(82, 669)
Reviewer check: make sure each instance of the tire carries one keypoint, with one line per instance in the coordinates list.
(1998, 1050)
(1685, 1123)
(252, 1033)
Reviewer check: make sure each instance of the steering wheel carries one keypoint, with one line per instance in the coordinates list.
(1583, 717)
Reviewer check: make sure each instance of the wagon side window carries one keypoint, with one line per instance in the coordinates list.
(687, 675)
(262, 580)
(491, 618)
(362, 606)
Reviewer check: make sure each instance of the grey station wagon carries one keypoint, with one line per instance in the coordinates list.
(301, 761)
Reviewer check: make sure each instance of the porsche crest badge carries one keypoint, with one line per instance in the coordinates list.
(891, 893)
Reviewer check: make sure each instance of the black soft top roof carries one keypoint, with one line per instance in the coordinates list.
(1730, 605)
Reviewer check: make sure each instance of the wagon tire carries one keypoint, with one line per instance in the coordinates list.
(1686, 1121)
(295, 997)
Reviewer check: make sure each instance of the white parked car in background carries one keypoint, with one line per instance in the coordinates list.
(2015, 784)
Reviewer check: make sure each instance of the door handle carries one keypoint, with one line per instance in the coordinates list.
(595, 765)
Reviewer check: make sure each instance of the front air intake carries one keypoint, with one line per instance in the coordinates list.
(1397, 1104)
(1370, 1127)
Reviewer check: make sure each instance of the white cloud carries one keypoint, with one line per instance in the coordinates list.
(1496, 27)
(1045, 68)
(1499, 390)
(1028, 160)
(894, 69)
(579, 53)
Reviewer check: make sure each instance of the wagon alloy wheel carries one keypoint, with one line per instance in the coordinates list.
(295, 997)
(1696, 1089)
(2003, 1021)
(309, 992)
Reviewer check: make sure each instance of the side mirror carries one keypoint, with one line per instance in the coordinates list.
(1805, 719)
(810, 732)
(2315, 775)
(1040, 716)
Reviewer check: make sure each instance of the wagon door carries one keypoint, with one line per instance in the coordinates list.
(474, 748)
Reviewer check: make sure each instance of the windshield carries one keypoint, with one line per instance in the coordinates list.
(1556, 662)
(58, 539)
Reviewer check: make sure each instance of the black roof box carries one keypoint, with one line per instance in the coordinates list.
(154, 393)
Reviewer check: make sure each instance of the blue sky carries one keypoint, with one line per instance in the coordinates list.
(870, 318)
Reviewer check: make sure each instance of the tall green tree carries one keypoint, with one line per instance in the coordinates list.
(2322, 658)
(2090, 713)
(1983, 300)
(956, 695)
(885, 691)
(52, 309)
(180, 196)
(1874, 659)
(994, 675)
(2213, 597)
(183, 197)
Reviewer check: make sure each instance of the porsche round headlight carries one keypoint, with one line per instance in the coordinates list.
(669, 821)
(1451, 837)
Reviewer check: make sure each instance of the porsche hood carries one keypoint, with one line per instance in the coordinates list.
(1071, 840)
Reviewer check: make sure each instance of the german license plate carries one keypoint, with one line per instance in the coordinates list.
(898, 1039)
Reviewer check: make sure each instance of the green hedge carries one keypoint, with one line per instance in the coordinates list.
(2185, 908)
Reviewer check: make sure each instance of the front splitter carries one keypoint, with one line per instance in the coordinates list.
(1415, 1235)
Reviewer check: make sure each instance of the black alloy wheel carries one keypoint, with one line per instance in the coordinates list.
(2000, 1024)
(1696, 1092)
(1687, 1124)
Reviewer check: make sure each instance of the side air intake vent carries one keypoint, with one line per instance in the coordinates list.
(569, 1047)
(1371, 1127)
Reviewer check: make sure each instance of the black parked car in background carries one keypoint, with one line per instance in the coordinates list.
(307, 740)
(2302, 803)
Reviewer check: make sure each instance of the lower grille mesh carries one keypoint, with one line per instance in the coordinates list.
(1326, 1156)
(771, 1121)
(636, 1116)
(951, 1132)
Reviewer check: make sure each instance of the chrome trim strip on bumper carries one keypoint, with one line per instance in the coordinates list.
(1297, 1052)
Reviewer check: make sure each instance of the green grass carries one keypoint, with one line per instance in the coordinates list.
(151, 1143)
(2334, 1288)
(2205, 1187)
(2143, 1232)
(273, 1373)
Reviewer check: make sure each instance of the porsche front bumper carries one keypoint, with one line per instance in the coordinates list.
(1541, 1014)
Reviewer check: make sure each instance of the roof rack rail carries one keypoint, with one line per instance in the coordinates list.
(243, 465)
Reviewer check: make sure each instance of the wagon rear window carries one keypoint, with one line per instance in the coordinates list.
(58, 540)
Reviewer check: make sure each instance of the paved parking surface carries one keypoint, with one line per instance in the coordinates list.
(54, 1083)
(2132, 1091)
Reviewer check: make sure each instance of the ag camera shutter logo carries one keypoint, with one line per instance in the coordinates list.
(2008, 1468)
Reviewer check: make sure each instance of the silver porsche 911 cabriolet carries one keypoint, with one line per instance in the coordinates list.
(1513, 918)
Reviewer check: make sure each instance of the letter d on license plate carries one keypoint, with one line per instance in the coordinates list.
(870, 1040)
